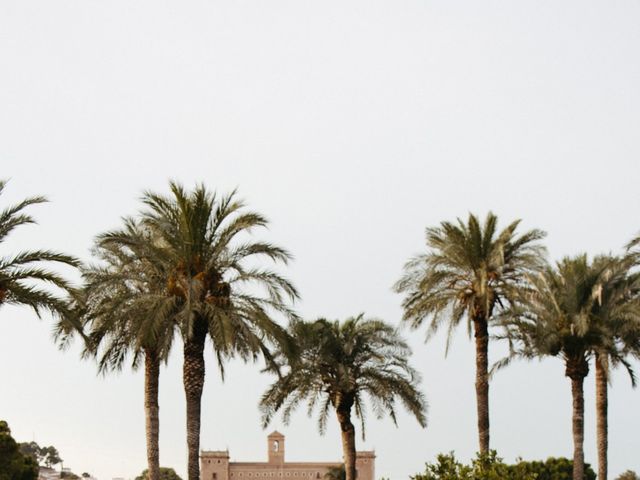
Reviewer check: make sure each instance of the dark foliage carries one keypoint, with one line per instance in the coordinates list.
(14, 465)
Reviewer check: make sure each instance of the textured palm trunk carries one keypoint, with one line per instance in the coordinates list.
(578, 426)
(193, 371)
(481, 333)
(151, 408)
(348, 433)
(601, 414)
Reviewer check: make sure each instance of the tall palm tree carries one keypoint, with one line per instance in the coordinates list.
(129, 314)
(337, 365)
(470, 271)
(617, 309)
(202, 245)
(559, 321)
(23, 276)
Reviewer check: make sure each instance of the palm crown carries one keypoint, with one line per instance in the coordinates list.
(125, 302)
(339, 364)
(617, 310)
(559, 318)
(207, 270)
(468, 270)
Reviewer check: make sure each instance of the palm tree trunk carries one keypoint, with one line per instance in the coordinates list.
(193, 371)
(601, 413)
(481, 333)
(151, 408)
(348, 432)
(578, 426)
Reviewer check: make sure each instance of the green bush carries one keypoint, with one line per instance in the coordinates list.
(492, 467)
(165, 474)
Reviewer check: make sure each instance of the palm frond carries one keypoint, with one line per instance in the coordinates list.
(25, 277)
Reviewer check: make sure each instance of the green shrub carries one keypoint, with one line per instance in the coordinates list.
(492, 467)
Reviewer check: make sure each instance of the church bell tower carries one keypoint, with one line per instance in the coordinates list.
(275, 445)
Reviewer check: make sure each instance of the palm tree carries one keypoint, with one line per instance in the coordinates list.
(470, 270)
(24, 276)
(336, 365)
(559, 321)
(128, 312)
(617, 309)
(201, 243)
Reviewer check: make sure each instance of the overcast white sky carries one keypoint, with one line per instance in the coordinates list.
(352, 125)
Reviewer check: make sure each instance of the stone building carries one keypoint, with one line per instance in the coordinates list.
(215, 465)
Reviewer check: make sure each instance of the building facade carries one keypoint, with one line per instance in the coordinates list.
(215, 465)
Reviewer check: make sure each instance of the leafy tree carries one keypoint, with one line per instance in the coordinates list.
(32, 449)
(23, 276)
(552, 469)
(128, 311)
(214, 287)
(558, 321)
(339, 364)
(470, 271)
(48, 456)
(14, 465)
(165, 474)
(86, 475)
